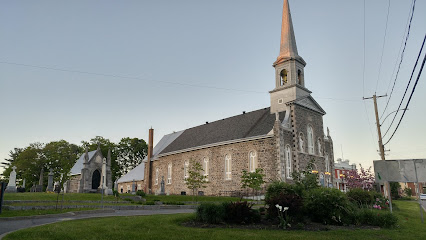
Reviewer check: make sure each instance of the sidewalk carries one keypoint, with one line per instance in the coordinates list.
(8, 225)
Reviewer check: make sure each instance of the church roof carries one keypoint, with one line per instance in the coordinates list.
(246, 125)
(138, 172)
(76, 169)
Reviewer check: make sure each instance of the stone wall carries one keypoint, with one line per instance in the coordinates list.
(126, 187)
(218, 184)
(302, 118)
(73, 184)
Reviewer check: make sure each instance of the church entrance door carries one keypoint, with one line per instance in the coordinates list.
(96, 179)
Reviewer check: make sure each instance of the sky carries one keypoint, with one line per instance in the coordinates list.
(78, 69)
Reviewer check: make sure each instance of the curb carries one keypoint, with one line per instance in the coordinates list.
(67, 214)
(105, 210)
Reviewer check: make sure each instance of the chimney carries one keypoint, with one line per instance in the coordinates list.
(149, 163)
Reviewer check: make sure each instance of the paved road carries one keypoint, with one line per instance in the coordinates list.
(7, 226)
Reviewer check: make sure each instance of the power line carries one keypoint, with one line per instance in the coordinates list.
(144, 79)
(127, 77)
(383, 47)
(402, 57)
(409, 99)
(363, 66)
(409, 82)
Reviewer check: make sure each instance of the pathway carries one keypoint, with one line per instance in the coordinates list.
(11, 225)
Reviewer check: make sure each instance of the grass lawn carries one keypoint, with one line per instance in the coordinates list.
(20, 213)
(52, 196)
(188, 198)
(168, 227)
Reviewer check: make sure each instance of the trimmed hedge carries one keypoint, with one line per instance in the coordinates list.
(229, 212)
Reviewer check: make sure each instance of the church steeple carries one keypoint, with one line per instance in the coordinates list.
(289, 67)
(288, 46)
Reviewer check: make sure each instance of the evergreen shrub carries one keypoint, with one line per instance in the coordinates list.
(328, 206)
(210, 213)
(241, 213)
(361, 197)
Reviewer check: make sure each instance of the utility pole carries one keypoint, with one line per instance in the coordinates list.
(381, 147)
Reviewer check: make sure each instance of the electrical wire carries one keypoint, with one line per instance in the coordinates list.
(409, 99)
(127, 77)
(409, 82)
(402, 57)
(383, 46)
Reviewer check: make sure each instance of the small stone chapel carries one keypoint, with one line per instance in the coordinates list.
(279, 139)
(89, 172)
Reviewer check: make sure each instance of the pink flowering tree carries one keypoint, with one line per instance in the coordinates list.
(362, 178)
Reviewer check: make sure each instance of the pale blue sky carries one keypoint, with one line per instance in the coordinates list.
(216, 44)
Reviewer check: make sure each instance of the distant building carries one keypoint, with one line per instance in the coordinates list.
(88, 171)
(341, 169)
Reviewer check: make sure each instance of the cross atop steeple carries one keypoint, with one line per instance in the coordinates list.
(288, 47)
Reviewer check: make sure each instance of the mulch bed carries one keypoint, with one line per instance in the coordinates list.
(271, 225)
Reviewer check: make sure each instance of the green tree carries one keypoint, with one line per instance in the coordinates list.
(395, 186)
(61, 157)
(130, 153)
(196, 179)
(253, 180)
(31, 164)
(307, 178)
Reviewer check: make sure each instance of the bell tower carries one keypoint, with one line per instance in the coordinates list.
(289, 67)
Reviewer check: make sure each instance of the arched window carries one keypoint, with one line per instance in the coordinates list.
(252, 161)
(327, 164)
(301, 143)
(321, 178)
(228, 173)
(169, 174)
(283, 76)
(185, 169)
(310, 140)
(156, 176)
(299, 77)
(206, 166)
(288, 161)
(319, 147)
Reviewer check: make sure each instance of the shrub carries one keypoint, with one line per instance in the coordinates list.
(240, 212)
(328, 206)
(210, 213)
(361, 197)
(374, 218)
(286, 195)
(408, 192)
(141, 193)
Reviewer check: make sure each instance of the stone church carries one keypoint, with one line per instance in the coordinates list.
(89, 172)
(279, 139)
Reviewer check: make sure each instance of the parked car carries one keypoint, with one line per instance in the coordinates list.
(423, 196)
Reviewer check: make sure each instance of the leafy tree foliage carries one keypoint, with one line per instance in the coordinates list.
(362, 178)
(131, 152)
(306, 178)
(252, 180)
(196, 179)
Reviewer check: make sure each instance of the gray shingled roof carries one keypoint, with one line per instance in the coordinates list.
(138, 172)
(79, 164)
(251, 124)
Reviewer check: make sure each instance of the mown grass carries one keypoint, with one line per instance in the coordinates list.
(168, 227)
(20, 213)
(53, 196)
(186, 198)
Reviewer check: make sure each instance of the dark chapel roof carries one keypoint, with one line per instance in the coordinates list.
(251, 124)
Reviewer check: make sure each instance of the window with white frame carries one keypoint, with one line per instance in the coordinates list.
(206, 167)
(156, 176)
(252, 161)
(310, 140)
(228, 173)
(288, 161)
(327, 164)
(185, 170)
(319, 147)
(301, 143)
(169, 174)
